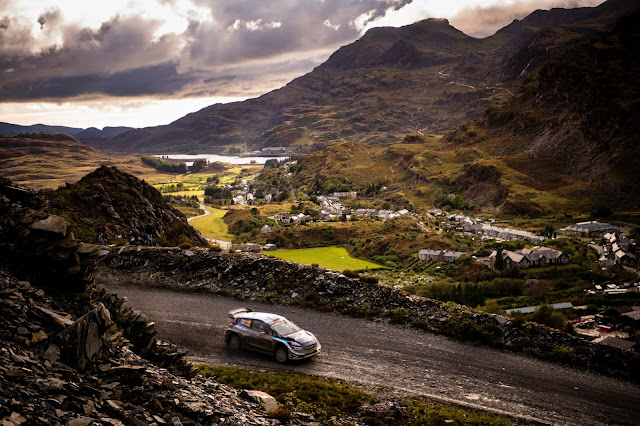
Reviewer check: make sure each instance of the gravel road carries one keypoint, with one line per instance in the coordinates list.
(406, 361)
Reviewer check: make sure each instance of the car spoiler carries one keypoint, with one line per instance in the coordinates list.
(238, 311)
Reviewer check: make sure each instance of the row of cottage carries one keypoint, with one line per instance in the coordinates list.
(530, 258)
(525, 258)
(476, 226)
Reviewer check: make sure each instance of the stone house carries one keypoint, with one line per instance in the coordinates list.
(587, 229)
(249, 248)
(439, 255)
(530, 258)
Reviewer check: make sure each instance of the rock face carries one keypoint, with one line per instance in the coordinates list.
(272, 280)
(80, 343)
(107, 204)
(83, 370)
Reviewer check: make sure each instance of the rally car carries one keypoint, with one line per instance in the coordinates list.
(270, 334)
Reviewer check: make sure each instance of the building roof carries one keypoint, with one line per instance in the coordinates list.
(515, 257)
(617, 342)
(634, 315)
(430, 252)
(455, 254)
(532, 309)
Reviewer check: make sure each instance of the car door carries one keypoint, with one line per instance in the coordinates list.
(261, 335)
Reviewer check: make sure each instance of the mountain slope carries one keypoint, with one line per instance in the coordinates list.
(423, 78)
(39, 158)
(581, 114)
(8, 129)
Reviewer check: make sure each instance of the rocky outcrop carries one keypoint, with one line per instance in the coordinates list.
(264, 278)
(57, 369)
(79, 344)
(107, 204)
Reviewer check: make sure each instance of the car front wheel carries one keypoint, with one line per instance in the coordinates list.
(282, 354)
(234, 342)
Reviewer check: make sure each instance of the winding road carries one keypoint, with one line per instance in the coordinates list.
(224, 245)
(401, 360)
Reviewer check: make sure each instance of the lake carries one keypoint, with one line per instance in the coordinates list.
(211, 158)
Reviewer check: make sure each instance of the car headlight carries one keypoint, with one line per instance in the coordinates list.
(296, 345)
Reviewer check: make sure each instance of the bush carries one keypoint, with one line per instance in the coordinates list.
(282, 414)
(369, 279)
(350, 274)
(185, 245)
(163, 165)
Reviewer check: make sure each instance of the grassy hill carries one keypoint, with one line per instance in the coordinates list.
(48, 160)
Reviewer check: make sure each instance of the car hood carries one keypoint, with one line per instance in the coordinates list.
(303, 337)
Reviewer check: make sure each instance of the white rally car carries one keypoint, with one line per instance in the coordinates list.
(271, 334)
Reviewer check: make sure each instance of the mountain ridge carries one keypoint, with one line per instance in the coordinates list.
(427, 78)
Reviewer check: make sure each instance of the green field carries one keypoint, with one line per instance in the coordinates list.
(335, 258)
(213, 226)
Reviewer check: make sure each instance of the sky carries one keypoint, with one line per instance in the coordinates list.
(143, 63)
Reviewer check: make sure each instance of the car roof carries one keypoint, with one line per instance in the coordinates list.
(262, 316)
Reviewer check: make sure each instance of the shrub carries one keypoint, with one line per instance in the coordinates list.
(282, 414)
(399, 315)
(350, 274)
(185, 245)
(369, 279)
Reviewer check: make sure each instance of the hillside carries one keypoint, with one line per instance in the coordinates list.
(8, 129)
(107, 204)
(574, 119)
(35, 158)
(48, 160)
(424, 78)
(564, 143)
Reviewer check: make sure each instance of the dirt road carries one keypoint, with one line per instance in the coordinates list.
(406, 360)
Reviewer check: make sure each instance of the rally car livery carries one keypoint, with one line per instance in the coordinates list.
(271, 334)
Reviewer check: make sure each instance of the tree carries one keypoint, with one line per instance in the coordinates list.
(499, 263)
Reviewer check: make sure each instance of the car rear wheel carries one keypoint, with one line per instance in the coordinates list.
(281, 354)
(234, 342)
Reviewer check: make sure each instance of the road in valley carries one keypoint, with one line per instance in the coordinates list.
(403, 360)
(224, 245)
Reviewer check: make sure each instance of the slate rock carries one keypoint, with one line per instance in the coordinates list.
(80, 342)
(53, 223)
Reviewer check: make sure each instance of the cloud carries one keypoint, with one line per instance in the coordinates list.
(481, 21)
(45, 54)
(256, 25)
(327, 23)
(56, 50)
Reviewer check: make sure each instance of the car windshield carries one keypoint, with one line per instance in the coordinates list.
(284, 327)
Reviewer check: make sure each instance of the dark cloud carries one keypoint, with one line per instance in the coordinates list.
(302, 27)
(89, 61)
(157, 80)
(246, 48)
